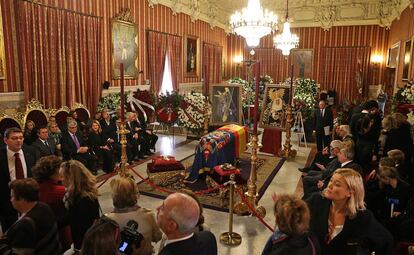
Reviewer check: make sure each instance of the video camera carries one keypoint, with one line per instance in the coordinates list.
(129, 237)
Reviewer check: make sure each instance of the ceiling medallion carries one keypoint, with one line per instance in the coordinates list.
(286, 41)
(253, 23)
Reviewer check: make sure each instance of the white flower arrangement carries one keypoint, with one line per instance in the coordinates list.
(247, 92)
(191, 112)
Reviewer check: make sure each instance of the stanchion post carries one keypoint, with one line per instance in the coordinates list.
(123, 132)
(206, 115)
(231, 238)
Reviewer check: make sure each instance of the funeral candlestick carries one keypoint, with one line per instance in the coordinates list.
(254, 144)
(122, 130)
(287, 151)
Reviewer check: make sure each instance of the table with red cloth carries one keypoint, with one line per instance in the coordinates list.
(221, 146)
(271, 141)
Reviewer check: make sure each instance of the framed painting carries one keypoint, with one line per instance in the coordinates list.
(191, 56)
(2, 54)
(408, 46)
(124, 49)
(226, 104)
(274, 107)
(302, 61)
(393, 55)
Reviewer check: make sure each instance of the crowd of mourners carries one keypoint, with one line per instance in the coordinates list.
(358, 192)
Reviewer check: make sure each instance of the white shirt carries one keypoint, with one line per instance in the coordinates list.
(169, 241)
(346, 162)
(12, 168)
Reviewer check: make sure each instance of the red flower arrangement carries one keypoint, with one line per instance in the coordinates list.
(167, 107)
(142, 101)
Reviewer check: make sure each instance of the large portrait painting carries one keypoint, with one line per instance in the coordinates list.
(226, 104)
(124, 49)
(2, 54)
(274, 107)
(302, 61)
(191, 56)
(407, 60)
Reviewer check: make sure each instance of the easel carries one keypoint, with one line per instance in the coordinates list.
(299, 128)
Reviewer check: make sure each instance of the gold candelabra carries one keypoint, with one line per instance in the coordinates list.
(206, 115)
(123, 132)
(287, 151)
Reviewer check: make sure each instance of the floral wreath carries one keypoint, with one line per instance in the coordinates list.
(141, 101)
(247, 92)
(304, 97)
(111, 102)
(191, 111)
(168, 106)
(405, 95)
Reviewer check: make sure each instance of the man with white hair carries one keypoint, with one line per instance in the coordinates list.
(177, 216)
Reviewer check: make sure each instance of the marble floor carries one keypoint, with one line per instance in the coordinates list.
(254, 234)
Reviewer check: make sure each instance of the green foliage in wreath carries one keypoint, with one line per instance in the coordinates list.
(304, 98)
(112, 102)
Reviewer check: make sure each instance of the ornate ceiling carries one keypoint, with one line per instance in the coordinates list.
(303, 13)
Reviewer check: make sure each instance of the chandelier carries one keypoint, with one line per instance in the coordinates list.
(286, 41)
(253, 23)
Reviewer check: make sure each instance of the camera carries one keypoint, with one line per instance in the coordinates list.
(129, 237)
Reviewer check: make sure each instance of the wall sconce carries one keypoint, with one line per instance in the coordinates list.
(238, 59)
(376, 60)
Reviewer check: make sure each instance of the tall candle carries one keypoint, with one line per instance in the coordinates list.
(205, 77)
(256, 97)
(121, 68)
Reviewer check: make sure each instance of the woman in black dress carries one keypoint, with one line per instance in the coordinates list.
(100, 148)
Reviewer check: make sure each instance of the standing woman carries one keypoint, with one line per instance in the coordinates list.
(341, 222)
(81, 199)
(99, 146)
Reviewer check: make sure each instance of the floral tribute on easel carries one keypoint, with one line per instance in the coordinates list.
(304, 98)
(191, 112)
(111, 102)
(168, 106)
(142, 102)
(247, 93)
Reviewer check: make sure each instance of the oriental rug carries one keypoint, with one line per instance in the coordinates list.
(267, 168)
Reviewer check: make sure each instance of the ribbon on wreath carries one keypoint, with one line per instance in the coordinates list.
(192, 120)
(132, 100)
(169, 111)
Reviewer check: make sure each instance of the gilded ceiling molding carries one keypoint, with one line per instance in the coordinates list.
(176, 7)
(151, 3)
(327, 15)
(388, 10)
(195, 10)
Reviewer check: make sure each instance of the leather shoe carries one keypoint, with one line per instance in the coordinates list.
(303, 170)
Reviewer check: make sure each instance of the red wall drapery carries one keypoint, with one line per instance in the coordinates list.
(157, 48)
(60, 55)
(174, 57)
(212, 59)
(340, 68)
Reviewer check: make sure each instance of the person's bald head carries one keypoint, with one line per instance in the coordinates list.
(178, 215)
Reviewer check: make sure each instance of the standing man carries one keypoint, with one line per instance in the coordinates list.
(323, 125)
(177, 217)
(16, 162)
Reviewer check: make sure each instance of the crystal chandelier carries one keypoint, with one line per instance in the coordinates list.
(253, 23)
(286, 41)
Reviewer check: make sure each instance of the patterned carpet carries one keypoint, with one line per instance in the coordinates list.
(267, 168)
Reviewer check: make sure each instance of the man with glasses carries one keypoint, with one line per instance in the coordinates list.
(16, 162)
(74, 147)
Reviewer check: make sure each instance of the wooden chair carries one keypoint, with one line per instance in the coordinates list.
(82, 112)
(36, 113)
(8, 121)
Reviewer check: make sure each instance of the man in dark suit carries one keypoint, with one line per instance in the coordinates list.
(74, 147)
(16, 162)
(44, 145)
(177, 217)
(323, 125)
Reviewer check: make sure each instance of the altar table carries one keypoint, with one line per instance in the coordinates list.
(221, 146)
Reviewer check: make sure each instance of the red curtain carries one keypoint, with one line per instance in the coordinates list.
(174, 57)
(212, 57)
(272, 63)
(60, 55)
(157, 48)
(340, 69)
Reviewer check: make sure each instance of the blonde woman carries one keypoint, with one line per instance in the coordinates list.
(81, 199)
(125, 200)
(340, 220)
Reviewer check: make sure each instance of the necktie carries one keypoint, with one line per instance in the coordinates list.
(322, 112)
(46, 144)
(75, 140)
(18, 166)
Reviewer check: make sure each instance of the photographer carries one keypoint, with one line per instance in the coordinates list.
(125, 198)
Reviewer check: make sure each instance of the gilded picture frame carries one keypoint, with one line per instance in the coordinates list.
(226, 104)
(275, 102)
(408, 48)
(394, 55)
(124, 37)
(191, 58)
(2, 51)
(302, 61)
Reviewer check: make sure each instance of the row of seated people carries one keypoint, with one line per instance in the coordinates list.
(99, 139)
(334, 221)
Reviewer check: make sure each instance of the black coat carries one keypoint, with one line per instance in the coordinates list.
(7, 213)
(69, 149)
(201, 243)
(306, 244)
(321, 122)
(361, 233)
(43, 150)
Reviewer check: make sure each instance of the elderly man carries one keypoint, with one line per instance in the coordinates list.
(177, 216)
(323, 125)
